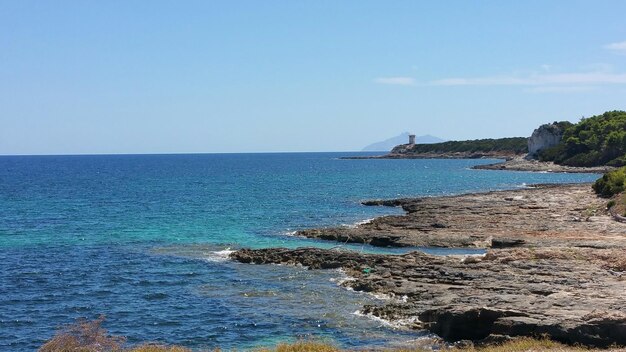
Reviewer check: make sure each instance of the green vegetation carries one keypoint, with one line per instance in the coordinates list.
(514, 145)
(89, 336)
(597, 140)
(560, 125)
(611, 183)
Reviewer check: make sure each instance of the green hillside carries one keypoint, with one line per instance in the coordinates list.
(597, 140)
(514, 145)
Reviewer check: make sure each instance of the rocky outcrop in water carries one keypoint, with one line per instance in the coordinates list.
(573, 296)
(529, 164)
(544, 215)
(556, 265)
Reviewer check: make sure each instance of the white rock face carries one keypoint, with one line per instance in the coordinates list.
(545, 136)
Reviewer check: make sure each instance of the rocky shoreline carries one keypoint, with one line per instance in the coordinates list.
(512, 162)
(523, 164)
(556, 265)
(537, 216)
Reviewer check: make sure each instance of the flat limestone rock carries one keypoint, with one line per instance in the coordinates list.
(543, 215)
(556, 265)
(571, 295)
(519, 163)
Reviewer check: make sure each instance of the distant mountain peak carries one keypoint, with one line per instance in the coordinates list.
(403, 138)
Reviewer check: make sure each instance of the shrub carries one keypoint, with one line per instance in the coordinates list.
(159, 348)
(611, 183)
(598, 140)
(90, 336)
(83, 336)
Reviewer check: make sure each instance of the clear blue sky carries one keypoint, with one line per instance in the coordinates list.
(246, 76)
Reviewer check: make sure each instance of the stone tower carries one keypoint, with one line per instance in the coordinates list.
(411, 139)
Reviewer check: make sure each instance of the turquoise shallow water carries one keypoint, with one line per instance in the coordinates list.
(140, 238)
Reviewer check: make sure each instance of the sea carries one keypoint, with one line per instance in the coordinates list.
(144, 240)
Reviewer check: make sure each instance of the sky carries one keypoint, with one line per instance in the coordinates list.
(91, 77)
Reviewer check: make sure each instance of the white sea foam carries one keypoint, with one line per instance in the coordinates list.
(397, 324)
(343, 278)
(219, 256)
(382, 296)
(360, 222)
(293, 234)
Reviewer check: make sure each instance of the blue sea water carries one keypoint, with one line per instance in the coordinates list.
(144, 239)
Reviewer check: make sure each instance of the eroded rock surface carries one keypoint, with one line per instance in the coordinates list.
(528, 164)
(544, 215)
(572, 295)
(556, 266)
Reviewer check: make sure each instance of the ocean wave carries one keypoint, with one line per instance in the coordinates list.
(396, 324)
(344, 278)
(219, 256)
(292, 234)
(358, 223)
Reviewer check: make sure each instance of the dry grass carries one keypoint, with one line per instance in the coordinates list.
(303, 346)
(158, 348)
(89, 336)
(520, 344)
(83, 336)
(620, 204)
(527, 344)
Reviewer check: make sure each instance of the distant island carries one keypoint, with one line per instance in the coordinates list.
(388, 144)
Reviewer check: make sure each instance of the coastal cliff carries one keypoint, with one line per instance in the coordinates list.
(546, 136)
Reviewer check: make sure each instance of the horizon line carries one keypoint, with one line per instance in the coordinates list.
(197, 153)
